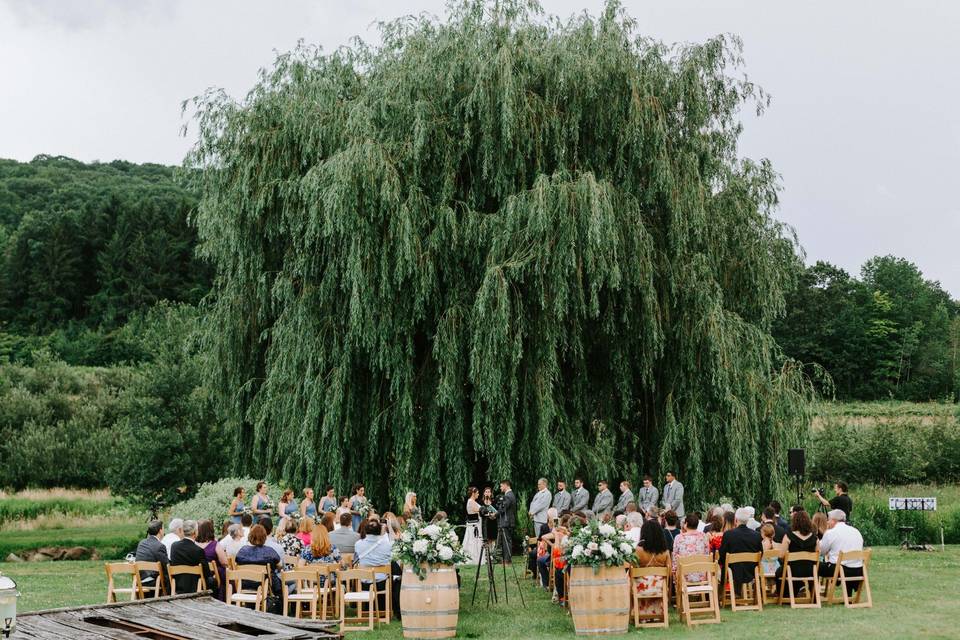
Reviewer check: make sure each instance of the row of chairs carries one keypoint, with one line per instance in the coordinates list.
(324, 591)
(700, 601)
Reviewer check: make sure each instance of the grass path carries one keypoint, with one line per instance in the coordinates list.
(915, 596)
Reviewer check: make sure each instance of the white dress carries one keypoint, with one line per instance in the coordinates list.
(472, 538)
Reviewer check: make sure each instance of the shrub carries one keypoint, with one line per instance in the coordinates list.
(212, 500)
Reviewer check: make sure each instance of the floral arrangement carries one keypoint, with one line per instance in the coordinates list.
(598, 545)
(421, 544)
(364, 507)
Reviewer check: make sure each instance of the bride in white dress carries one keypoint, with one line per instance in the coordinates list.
(473, 537)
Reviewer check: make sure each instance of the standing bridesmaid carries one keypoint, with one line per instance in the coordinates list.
(237, 507)
(355, 503)
(260, 505)
(328, 503)
(308, 508)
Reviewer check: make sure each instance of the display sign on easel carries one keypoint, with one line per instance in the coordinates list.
(913, 504)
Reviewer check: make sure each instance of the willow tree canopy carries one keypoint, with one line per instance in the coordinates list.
(498, 244)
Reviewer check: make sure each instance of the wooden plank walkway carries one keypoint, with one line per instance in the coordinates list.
(183, 617)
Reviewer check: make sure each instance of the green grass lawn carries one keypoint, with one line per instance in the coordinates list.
(915, 596)
(112, 540)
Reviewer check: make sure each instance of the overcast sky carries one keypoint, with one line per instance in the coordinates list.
(864, 125)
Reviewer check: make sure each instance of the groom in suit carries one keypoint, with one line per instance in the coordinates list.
(538, 508)
(506, 521)
(673, 495)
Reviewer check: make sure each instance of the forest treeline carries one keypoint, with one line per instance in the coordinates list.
(87, 248)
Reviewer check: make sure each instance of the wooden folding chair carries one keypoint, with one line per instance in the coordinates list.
(231, 562)
(386, 612)
(769, 580)
(841, 579)
(305, 590)
(352, 592)
(292, 561)
(215, 573)
(346, 559)
(661, 593)
(530, 546)
(810, 583)
(327, 589)
(698, 598)
(179, 570)
(240, 596)
(115, 569)
(156, 589)
(750, 597)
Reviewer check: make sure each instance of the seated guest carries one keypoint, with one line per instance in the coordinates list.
(174, 533)
(304, 529)
(246, 521)
(652, 553)
(840, 537)
(188, 553)
(768, 566)
(321, 551)
(714, 532)
(820, 524)
(740, 539)
(632, 527)
(267, 523)
(234, 539)
(752, 523)
(690, 542)
(375, 550)
(670, 528)
(438, 517)
(701, 523)
(327, 521)
(345, 537)
(769, 516)
(290, 542)
(214, 552)
(777, 508)
(256, 552)
(392, 525)
(800, 538)
(151, 549)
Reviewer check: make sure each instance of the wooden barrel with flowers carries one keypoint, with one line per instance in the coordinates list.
(599, 587)
(429, 594)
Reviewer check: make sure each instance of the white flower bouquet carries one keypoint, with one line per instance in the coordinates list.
(364, 507)
(421, 544)
(598, 545)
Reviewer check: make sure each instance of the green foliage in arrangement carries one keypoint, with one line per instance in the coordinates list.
(92, 243)
(498, 245)
(888, 334)
(212, 500)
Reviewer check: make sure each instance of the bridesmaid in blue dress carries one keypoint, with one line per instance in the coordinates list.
(308, 508)
(328, 503)
(355, 502)
(237, 506)
(288, 506)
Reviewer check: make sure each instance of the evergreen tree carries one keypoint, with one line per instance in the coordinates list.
(498, 245)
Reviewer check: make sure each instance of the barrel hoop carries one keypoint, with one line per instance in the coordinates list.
(584, 632)
(407, 628)
(429, 612)
(432, 571)
(618, 611)
(597, 582)
(435, 587)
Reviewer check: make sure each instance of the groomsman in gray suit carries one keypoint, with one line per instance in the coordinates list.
(581, 497)
(538, 508)
(561, 499)
(626, 496)
(673, 495)
(603, 503)
(648, 495)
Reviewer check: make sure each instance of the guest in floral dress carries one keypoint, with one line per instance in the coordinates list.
(292, 546)
(652, 553)
(690, 542)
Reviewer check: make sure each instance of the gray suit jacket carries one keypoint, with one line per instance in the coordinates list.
(344, 538)
(603, 503)
(625, 497)
(581, 500)
(673, 497)
(150, 549)
(647, 497)
(561, 500)
(539, 506)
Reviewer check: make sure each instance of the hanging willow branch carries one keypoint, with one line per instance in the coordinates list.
(498, 245)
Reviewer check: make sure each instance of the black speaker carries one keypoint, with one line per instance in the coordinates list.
(796, 461)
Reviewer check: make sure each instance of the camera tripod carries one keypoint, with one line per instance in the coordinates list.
(487, 550)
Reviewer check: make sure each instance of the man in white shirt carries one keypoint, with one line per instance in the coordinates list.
(267, 523)
(174, 534)
(840, 537)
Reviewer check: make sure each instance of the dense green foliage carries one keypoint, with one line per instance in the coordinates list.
(143, 430)
(111, 542)
(212, 500)
(498, 245)
(92, 243)
(888, 334)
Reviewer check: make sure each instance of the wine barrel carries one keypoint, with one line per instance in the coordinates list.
(430, 607)
(599, 600)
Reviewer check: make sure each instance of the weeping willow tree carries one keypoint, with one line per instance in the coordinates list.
(498, 244)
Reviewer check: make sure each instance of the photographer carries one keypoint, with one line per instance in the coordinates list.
(840, 501)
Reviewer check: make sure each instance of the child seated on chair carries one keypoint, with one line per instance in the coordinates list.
(768, 566)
